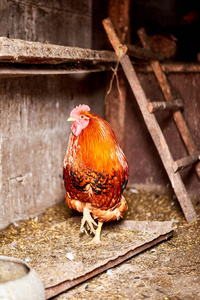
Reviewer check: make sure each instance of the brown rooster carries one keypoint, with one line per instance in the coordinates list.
(95, 171)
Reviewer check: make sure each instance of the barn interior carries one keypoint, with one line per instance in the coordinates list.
(55, 55)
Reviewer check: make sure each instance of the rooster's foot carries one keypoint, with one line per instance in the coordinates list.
(87, 222)
(96, 239)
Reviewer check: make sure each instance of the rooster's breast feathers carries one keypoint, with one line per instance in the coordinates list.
(95, 167)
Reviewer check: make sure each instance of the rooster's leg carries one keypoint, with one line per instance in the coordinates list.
(96, 239)
(87, 220)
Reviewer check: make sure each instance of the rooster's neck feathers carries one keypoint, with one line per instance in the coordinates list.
(97, 146)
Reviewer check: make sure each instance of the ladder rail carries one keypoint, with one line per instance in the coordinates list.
(151, 123)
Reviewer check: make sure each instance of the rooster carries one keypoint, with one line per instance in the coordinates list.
(95, 171)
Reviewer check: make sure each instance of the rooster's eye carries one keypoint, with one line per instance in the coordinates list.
(82, 116)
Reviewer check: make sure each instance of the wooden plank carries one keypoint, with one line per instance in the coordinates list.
(158, 106)
(186, 162)
(68, 284)
(153, 127)
(168, 94)
(20, 51)
(72, 261)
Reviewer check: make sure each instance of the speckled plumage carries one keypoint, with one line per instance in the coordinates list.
(95, 169)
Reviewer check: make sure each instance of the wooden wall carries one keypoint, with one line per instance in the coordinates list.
(146, 169)
(34, 110)
(48, 21)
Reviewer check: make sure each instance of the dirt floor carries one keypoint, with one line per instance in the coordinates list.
(170, 270)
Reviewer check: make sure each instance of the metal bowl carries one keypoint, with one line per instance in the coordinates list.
(18, 281)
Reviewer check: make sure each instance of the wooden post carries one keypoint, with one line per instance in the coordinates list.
(152, 126)
(115, 107)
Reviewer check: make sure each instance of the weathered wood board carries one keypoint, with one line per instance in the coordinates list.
(21, 51)
(62, 258)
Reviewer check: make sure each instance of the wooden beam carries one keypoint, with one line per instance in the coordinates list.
(143, 53)
(115, 101)
(153, 127)
(168, 94)
(174, 67)
(185, 162)
(158, 106)
(20, 51)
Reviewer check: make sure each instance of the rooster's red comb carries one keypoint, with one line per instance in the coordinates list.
(79, 108)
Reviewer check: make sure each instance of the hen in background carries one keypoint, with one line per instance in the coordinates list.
(95, 171)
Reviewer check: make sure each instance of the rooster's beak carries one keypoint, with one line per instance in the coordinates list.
(71, 119)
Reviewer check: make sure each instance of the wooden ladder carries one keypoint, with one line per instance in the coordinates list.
(148, 108)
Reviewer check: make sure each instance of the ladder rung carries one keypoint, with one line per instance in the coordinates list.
(143, 53)
(157, 106)
(185, 162)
